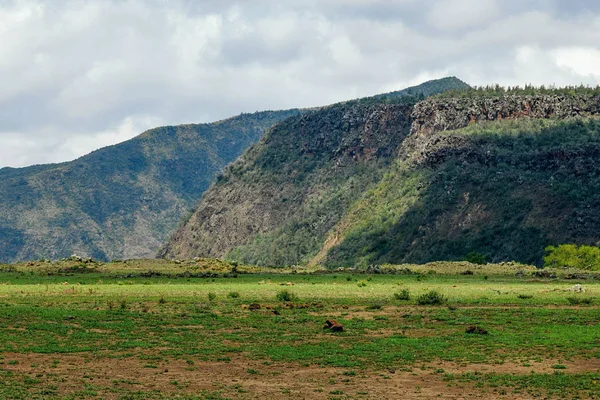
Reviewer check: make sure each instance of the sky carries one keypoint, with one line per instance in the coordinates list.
(77, 75)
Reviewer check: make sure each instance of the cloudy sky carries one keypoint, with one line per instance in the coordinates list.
(76, 75)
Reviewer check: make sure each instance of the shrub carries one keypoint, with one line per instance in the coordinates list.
(580, 300)
(404, 294)
(544, 274)
(361, 284)
(572, 256)
(476, 258)
(431, 298)
(233, 295)
(286, 295)
(525, 296)
(212, 296)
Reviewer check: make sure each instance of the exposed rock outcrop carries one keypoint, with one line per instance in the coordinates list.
(445, 114)
(365, 183)
(301, 160)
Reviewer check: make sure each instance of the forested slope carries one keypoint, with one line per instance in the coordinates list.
(501, 175)
(121, 201)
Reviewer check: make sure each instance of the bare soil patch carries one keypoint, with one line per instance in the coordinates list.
(250, 379)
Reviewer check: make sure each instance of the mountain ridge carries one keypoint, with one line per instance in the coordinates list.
(336, 150)
(120, 201)
(451, 178)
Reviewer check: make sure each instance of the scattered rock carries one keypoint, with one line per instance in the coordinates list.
(333, 326)
(577, 288)
(476, 330)
(373, 269)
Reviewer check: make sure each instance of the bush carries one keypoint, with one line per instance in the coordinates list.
(525, 296)
(572, 256)
(404, 294)
(431, 298)
(212, 296)
(580, 300)
(476, 258)
(233, 295)
(286, 295)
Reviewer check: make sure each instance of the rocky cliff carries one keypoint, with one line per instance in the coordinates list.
(503, 177)
(293, 186)
(361, 184)
(277, 203)
(447, 114)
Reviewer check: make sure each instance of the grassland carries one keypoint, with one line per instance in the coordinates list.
(162, 330)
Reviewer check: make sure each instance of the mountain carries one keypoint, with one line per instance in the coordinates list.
(499, 177)
(500, 174)
(121, 201)
(276, 204)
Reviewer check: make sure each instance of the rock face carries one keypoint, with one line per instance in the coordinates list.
(289, 178)
(503, 176)
(276, 204)
(365, 183)
(446, 114)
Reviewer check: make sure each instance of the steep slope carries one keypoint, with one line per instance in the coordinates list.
(121, 201)
(276, 204)
(503, 176)
(505, 188)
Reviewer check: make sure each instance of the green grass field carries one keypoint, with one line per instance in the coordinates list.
(153, 329)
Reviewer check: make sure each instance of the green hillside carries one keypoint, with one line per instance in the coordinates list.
(121, 201)
(277, 203)
(504, 190)
(497, 177)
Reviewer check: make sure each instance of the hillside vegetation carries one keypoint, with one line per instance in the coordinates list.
(504, 189)
(495, 178)
(121, 201)
(276, 204)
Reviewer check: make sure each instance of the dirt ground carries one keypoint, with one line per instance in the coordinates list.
(251, 379)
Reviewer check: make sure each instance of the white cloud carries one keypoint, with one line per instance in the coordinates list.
(50, 147)
(127, 129)
(460, 14)
(74, 72)
(583, 61)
